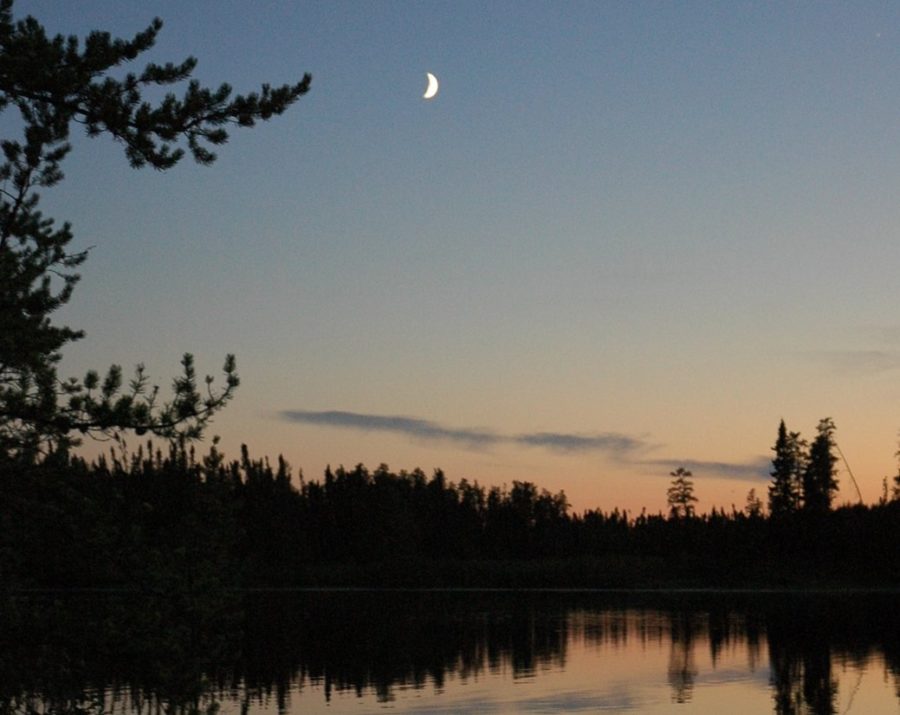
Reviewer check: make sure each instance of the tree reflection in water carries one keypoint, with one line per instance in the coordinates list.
(684, 625)
(184, 653)
(103, 652)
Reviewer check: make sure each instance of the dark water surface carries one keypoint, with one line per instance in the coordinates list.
(450, 652)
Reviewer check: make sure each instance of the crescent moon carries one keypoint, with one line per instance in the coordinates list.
(432, 89)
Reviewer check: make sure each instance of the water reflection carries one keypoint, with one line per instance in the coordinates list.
(99, 653)
(436, 652)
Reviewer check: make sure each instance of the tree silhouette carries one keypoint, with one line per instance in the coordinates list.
(895, 488)
(680, 494)
(53, 83)
(819, 483)
(754, 506)
(787, 471)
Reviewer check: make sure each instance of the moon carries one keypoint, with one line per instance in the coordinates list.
(432, 89)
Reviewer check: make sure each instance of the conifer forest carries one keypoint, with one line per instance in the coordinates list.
(164, 519)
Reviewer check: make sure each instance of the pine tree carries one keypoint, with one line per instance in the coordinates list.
(819, 482)
(681, 494)
(787, 470)
(53, 83)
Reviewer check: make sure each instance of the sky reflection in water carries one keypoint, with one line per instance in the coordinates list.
(550, 659)
(438, 652)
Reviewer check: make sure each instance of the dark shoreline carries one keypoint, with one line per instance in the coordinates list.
(169, 524)
(508, 576)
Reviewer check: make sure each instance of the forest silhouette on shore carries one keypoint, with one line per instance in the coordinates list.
(159, 521)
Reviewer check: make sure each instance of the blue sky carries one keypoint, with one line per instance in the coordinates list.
(659, 225)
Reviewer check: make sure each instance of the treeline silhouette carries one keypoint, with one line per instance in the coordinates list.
(172, 520)
(93, 654)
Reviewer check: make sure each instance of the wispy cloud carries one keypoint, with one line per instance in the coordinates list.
(562, 442)
(625, 449)
(422, 429)
(609, 442)
(856, 362)
(754, 469)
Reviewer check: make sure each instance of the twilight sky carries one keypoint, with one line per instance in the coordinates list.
(625, 237)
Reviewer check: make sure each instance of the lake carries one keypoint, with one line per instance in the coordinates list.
(450, 652)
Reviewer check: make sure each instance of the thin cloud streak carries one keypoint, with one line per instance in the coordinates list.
(868, 362)
(756, 469)
(423, 429)
(624, 449)
(561, 442)
(609, 442)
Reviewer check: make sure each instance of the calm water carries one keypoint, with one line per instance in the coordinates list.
(430, 652)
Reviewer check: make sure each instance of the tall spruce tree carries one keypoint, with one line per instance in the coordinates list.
(819, 476)
(787, 471)
(53, 83)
